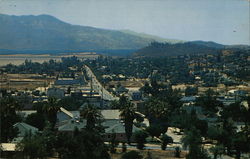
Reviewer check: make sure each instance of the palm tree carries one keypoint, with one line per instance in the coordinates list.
(51, 108)
(127, 114)
(92, 115)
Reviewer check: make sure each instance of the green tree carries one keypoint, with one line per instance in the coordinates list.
(192, 139)
(33, 147)
(229, 130)
(92, 115)
(209, 102)
(40, 145)
(191, 91)
(217, 150)
(9, 106)
(113, 143)
(51, 108)
(214, 132)
(240, 143)
(85, 144)
(140, 138)
(70, 103)
(127, 114)
(165, 141)
(36, 120)
(177, 152)
(157, 112)
(132, 155)
(155, 130)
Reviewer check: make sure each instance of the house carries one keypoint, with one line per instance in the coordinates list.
(111, 114)
(136, 95)
(9, 150)
(25, 113)
(24, 129)
(121, 89)
(116, 128)
(188, 99)
(69, 121)
(55, 92)
(67, 81)
(70, 126)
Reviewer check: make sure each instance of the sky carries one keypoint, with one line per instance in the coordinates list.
(222, 21)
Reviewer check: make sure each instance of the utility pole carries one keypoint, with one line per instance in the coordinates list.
(91, 85)
(102, 98)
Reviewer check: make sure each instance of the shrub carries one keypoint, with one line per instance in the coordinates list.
(132, 155)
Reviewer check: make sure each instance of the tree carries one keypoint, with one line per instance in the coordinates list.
(51, 108)
(33, 147)
(113, 143)
(240, 143)
(124, 147)
(192, 140)
(36, 120)
(149, 155)
(39, 145)
(177, 152)
(217, 150)
(132, 155)
(92, 115)
(127, 114)
(165, 141)
(140, 138)
(9, 106)
(115, 104)
(70, 103)
(191, 91)
(157, 112)
(85, 144)
(229, 130)
(155, 130)
(209, 102)
(160, 108)
(214, 132)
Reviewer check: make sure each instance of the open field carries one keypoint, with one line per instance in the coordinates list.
(18, 59)
(24, 81)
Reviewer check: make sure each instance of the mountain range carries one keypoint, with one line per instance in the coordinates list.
(44, 32)
(47, 34)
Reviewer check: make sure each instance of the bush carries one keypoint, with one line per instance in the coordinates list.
(165, 140)
(132, 155)
(140, 138)
(177, 152)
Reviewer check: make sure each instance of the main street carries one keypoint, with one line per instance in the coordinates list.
(97, 86)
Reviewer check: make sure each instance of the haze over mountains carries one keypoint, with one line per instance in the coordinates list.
(45, 32)
(19, 34)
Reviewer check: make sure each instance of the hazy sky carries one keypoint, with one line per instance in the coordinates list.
(223, 21)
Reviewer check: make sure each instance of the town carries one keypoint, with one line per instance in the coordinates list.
(193, 106)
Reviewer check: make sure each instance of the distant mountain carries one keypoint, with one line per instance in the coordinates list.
(156, 38)
(209, 44)
(156, 49)
(44, 32)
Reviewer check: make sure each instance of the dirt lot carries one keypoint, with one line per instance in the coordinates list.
(24, 81)
(155, 154)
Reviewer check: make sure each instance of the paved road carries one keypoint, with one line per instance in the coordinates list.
(106, 95)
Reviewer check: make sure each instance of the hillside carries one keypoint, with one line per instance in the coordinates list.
(44, 32)
(156, 38)
(156, 49)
